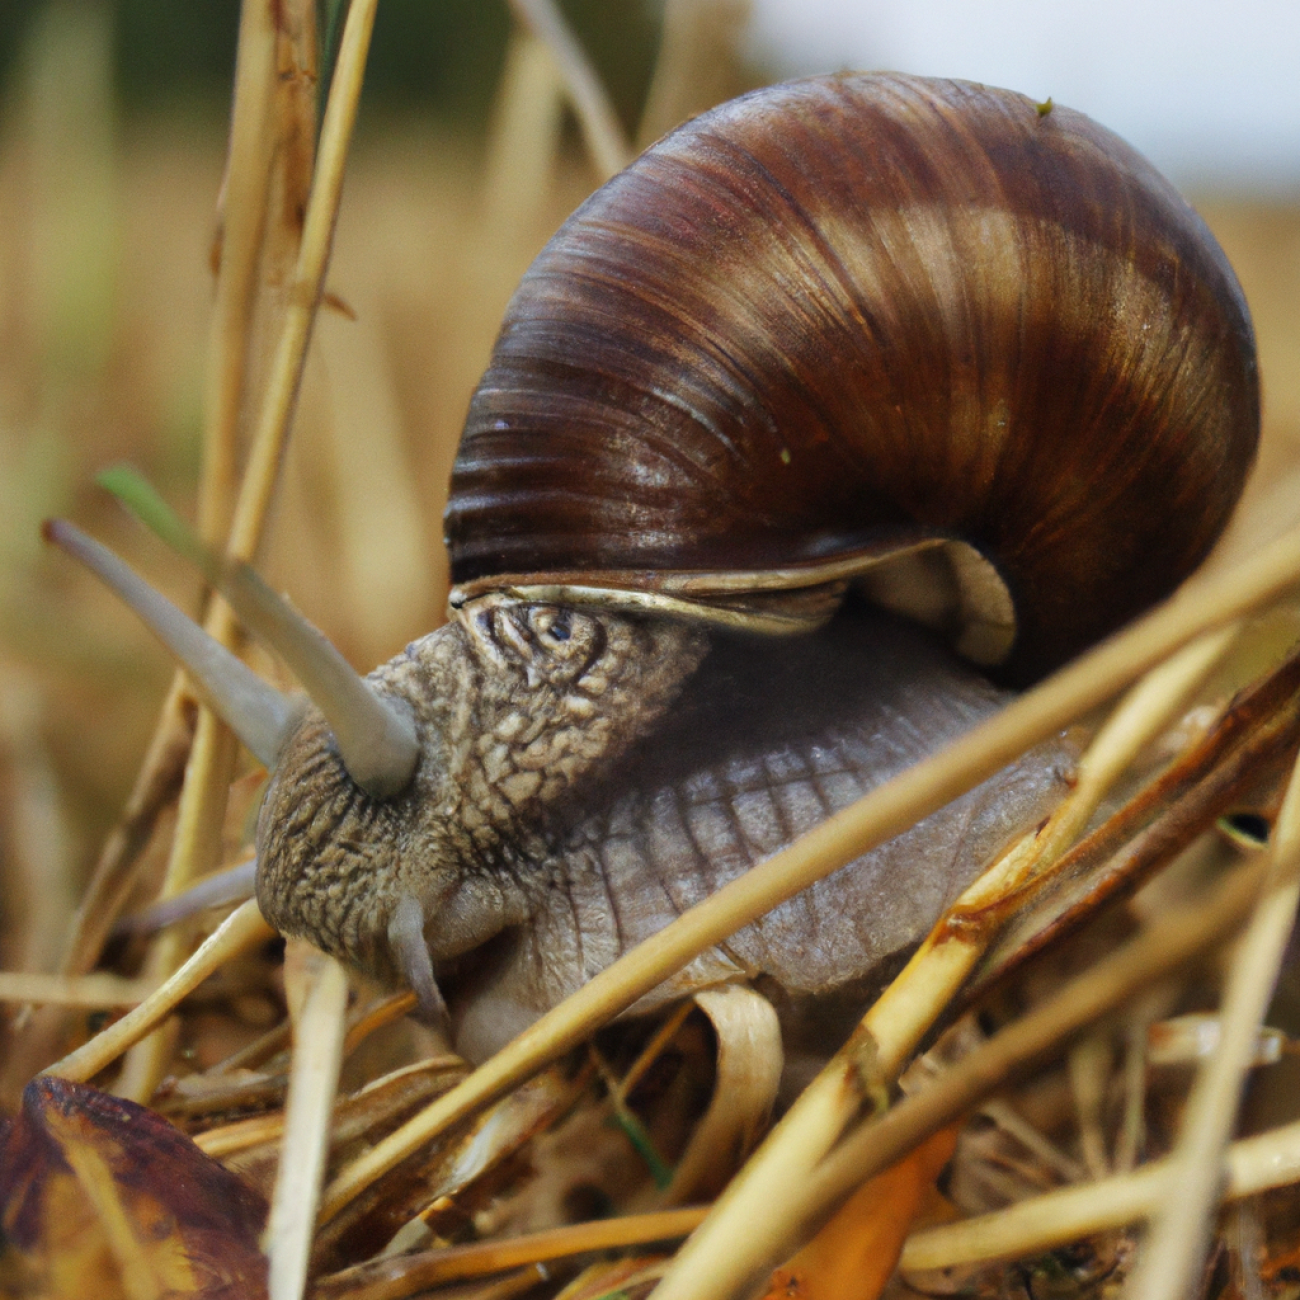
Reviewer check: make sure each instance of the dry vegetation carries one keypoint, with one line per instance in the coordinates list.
(107, 236)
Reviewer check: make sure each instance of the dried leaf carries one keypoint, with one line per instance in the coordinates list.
(101, 1197)
(750, 1060)
(432, 1183)
(853, 1256)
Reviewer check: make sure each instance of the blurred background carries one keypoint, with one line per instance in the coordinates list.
(112, 135)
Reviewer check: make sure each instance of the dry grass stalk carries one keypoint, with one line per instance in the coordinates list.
(247, 1133)
(156, 785)
(603, 134)
(317, 988)
(404, 1276)
(98, 990)
(1148, 708)
(305, 287)
(1251, 741)
(1180, 1235)
(750, 1059)
(712, 1264)
(1252, 1165)
(525, 135)
(241, 930)
(352, 1116)
(381, 1013)
(194, 851)
(695, 68)
(269, 126)
(896, 1023)
(254, 135)
(211, 764)
(1170, 942)
(243, 214)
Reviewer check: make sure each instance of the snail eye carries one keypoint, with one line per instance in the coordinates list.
(548, 642)
(553, 626)
(565, 640)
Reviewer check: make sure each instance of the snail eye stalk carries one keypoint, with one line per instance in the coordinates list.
(262, 717)
(375, 735)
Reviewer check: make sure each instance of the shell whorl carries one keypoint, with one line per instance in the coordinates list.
(865, 307)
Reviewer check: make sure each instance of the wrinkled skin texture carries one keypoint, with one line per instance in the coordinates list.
(514, 705)
(586, 777)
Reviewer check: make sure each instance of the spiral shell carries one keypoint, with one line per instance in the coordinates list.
(841, 316)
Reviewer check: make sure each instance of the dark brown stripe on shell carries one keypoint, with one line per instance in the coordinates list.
(852, 303)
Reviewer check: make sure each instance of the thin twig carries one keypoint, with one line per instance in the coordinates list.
(698, 63)
(243, 217)
(403, 1275)
(208, 776)
(1143, 713)
(308, 280)
(1254, 741)
(1176, 938)
(97, 990)
(243, 208)
(384, 1012)
(244, 203)
(260, 1050)
(242, 1134)
(156, 785)
(195, 850)
(519, 165)
(260, 132)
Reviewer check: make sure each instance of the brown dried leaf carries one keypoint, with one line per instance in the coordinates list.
(855, 1253)
(750, 1060)
(433, 1182)
(101, 1197)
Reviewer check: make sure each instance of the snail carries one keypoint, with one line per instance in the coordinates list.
(857, 336)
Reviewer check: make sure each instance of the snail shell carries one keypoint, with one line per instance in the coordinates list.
(837, 316)
(828, 323)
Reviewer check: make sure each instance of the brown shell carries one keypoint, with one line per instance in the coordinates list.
(865, 307)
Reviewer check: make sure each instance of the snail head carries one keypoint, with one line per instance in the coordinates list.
(398, 801)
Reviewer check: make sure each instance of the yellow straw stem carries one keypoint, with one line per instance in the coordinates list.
(1045, 1222)
(97, 990)
(1180, 1234)
(319, 1027)
(404, 1275)
(308, 281)
(241, 930)
(243, 216)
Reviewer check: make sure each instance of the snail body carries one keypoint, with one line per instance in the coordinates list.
(824, 325)
(545, 841)
(913, 338)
